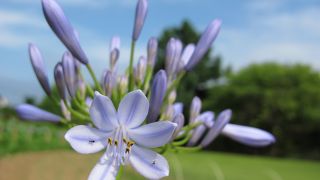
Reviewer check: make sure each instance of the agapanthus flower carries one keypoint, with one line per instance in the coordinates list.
(124, 137)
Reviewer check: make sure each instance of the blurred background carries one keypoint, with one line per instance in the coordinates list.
(265, 66)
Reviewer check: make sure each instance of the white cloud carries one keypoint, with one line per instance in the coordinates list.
(288, 37)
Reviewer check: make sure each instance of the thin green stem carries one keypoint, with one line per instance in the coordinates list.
(131, 78)
(189, 149)
(183, 141)
(96, 82)
(120, 172)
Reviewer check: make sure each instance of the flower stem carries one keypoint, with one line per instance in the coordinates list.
(131, 79)
(120, 172)
(96, 82)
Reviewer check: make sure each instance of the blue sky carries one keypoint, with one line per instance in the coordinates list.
(253, 31)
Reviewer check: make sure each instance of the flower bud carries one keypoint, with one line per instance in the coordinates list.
(39, 68)
(178, 108)
(59, 79)
(141, 13)
(222, 120)
(179, 120)
(187, 53)
(61, 26)
(141, 69)
(248, 135)
(69, 71)
(152, 51)
(195, 109)
(32, 113)
(158, 91)
(109, 82)
(205, 42)
(123, 84)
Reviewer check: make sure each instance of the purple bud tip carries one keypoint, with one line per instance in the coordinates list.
(39, 68)
(205, 42)
(61, 26)
(141, 13)
(60, 82)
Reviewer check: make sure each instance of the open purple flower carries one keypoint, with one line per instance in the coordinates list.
(125, 138)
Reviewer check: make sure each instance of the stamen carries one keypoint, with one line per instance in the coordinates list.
(109, 141)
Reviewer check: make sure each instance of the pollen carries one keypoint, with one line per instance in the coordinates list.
(109, 141)
(116, 142)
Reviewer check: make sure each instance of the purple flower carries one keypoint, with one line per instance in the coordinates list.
(222, 120)
(124, 137)
(152, 51)
(141, 13)
(39, 68)
(158, 91)
(32, 113)
(69, 71)
(60, 82)
(205, 42)
(248, 135)
(63, 29)
(187, 53)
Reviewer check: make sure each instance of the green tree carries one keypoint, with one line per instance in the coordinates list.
(283, 99)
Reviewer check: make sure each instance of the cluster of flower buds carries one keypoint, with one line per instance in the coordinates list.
(119, 131)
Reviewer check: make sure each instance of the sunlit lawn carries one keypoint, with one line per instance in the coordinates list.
(69, 165)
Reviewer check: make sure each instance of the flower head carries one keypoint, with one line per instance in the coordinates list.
(123, 136)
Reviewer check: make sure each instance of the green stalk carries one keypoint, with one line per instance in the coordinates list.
(96, 82)
(120, 172)
(131, 78)
(189, 149)
(183, 141)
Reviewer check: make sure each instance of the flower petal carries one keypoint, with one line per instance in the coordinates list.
(103, 113)
(104, 169)
(85, 139)
(153, 135)
(149, 163)
(248, 135)
(133, 109)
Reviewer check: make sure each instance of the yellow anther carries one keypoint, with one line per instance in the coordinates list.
(116, 142)
(127, 150)
(124, 140)
(130, 143)
(109, 141)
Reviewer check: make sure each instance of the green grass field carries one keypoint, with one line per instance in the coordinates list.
(196, 166)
